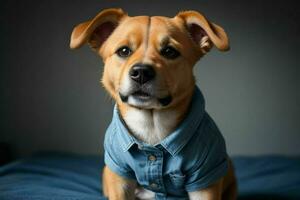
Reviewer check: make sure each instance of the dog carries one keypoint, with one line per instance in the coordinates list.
(161, 144)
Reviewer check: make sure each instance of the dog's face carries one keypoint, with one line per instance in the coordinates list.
(149, 60)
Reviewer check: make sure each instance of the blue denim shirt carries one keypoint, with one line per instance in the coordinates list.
(190, 158)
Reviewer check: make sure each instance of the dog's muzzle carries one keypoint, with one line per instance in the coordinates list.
(142, 92)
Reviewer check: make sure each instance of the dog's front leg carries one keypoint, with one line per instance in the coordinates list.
(213, 192)
(116, 187)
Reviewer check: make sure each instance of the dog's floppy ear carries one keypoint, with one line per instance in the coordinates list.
(97, 30)
(204, 32)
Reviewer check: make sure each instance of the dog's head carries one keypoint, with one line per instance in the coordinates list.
(149, 60)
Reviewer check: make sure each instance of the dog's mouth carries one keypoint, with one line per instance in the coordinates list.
(141, 95)
(143, 99)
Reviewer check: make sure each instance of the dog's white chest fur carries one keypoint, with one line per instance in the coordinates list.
(150, 126)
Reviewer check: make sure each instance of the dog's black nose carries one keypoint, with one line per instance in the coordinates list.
(142, 73)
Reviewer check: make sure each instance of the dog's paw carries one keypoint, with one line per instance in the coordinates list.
(143, 194)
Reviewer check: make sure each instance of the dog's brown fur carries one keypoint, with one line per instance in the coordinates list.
(113, 28)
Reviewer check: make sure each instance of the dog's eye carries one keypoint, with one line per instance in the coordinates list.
(124, 52)
(169, 52)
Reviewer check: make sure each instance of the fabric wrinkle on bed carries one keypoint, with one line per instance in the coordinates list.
(52, 176)
(59, 176)
(277, 177)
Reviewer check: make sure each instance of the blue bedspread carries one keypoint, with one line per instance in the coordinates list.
(70, 177)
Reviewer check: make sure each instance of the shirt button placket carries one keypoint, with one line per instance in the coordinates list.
(152, 158)
(155, 167)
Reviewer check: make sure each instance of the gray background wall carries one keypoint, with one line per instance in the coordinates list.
(51, 98)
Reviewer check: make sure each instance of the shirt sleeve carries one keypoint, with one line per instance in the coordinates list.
(114, 156)
(117, 167)
(212, 166)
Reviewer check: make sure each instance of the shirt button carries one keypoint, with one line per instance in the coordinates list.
(152, 158)
(153, 185)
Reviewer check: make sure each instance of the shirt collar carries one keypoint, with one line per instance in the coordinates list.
(126, 139)
(178, 138)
